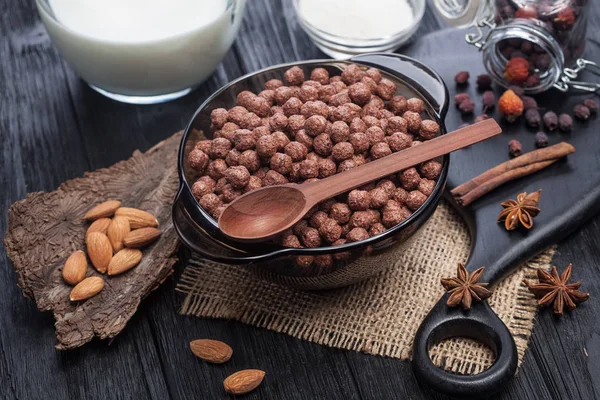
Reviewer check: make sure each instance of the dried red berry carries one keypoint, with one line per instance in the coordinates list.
(462, 77)
(510, 105)
(529, 102)
(459, 98)
(592, 105)
(533, 118)
(489, 100)
(581, 112)
(565, 122)
(532, 81)
(515, 148)
(467, 106)
(565, 19)
(516, 70)
(484, 82)
(541, 139)
(551, 120)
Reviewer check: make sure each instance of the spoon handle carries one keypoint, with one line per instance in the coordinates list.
(329, 187)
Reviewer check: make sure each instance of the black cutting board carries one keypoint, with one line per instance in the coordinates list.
(570, 196)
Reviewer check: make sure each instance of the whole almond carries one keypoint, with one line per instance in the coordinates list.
(99, 225)
(141, 237)
(124, 260)
(103, 210)
(99, 250)
(75, 268)
(117, 230)
(87, 288)
(137, 218)
(243, 381)
(213, 351)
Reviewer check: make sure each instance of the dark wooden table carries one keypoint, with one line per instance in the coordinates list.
(53, 128)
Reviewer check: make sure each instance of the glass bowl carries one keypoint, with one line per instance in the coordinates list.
(353, 261)
(340, 47)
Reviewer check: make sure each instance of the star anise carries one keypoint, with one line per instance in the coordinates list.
(464, 288)
(555, 289)
(520, 211)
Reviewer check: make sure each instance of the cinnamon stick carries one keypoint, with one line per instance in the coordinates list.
(509, 175)
(526, 160)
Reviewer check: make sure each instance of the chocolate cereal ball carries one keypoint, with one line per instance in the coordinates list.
(374, 74)
(281, 139)
(315, 125)
(237, 176)
(400, 195)
(396, 124)
(380, 150)
(359, 200)
(250, 121)
(317, 219)
(292, 106)
(274, 178)
(327, 92)
(386, 89)
(358, 125)
(266, 146)
(236, 114)
(326, 205)
(342, 151)
(376, 229)
(357, 234)
(296, 122)
(281, 163)
(243, 139)
(346, 165)
(359, 93)
(426, 186)
(360, 142)
(327, 167)
(228, 130)
(340, 213)
(392, 214)
(352, 74)
(218, 117)
(346, 112)
(296, 151)
(398, 141)
(198, 160)
(250, 160)
(415, 105)
(398, 105)
(320, 75)
(413, 121)
(311, 108)
(370, 121)
(309, 93)
(262, 172)
(294, 175)
(387, 185)
(302, 138)
(233, 158)
(217, 168)
(291, 241)
(409, 178)
(361, 219)
(294, 76)
(268, 95)
(415, 199)
(202, 187)
(300, 227)
(253, 183)
(273, 84)
(220, 185)
(311, 238)
(322, 144)
(375, 135)
(203, 145)
(261, 131)
(210, 201)
(282, 94)
(379, 197)
(219, 148)
(309, 169)
(338, 131)
(429, 129)
(278, 122)
(339, 99)
(431, 169)
(370, 84)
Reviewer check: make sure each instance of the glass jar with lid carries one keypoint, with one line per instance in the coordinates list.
(536, 44)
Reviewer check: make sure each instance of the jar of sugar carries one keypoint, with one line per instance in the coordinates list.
(343, 28)
(142, 51)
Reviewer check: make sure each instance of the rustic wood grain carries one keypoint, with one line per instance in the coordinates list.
(54, 128)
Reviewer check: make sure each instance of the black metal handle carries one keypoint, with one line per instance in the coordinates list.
(423, 79)
(479, 323)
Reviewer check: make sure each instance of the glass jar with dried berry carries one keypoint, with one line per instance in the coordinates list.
(536, 44)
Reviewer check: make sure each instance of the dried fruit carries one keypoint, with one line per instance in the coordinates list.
(99, 225)
(465, 288)
(516, 70)
(137, 218)
(459, 98)
(533, 118)
(591, 105)
(510, 105)
(529, 102)
(99, 250)
(484, 82)
(117, 230)
(124, 260)
(141, 237)
(488, 100)
(565, 122)
(532, 81)
(75, 268)
(520, 211)
(87, 288)
(581, 112)
(519, 91)
(462, 77)
(102, 210)
(243, 381)
(564, 19)
(550, 120)
(467, 106)
(213, 351)
(541, 139)
(515, 148)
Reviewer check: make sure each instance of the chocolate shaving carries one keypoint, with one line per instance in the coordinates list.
(45, 228)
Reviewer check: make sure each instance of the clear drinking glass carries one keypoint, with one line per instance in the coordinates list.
(145, 71)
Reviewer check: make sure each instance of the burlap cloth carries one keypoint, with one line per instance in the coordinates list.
(377, 316)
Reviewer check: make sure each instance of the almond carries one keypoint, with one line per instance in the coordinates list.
(141, 237)
(117, 230)
(243, 381)
(75, 268)
(102, 210)
(124, 260)
(99, 250)
(210, 350)
(137, 218)
(87, 288)
(99, 225)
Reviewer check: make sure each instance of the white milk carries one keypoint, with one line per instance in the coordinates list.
(143, 47)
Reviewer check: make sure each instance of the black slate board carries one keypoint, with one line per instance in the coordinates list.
(570, 196)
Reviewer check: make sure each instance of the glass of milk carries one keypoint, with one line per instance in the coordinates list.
(142, 51)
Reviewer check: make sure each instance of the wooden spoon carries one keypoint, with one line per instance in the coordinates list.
(266, 212)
